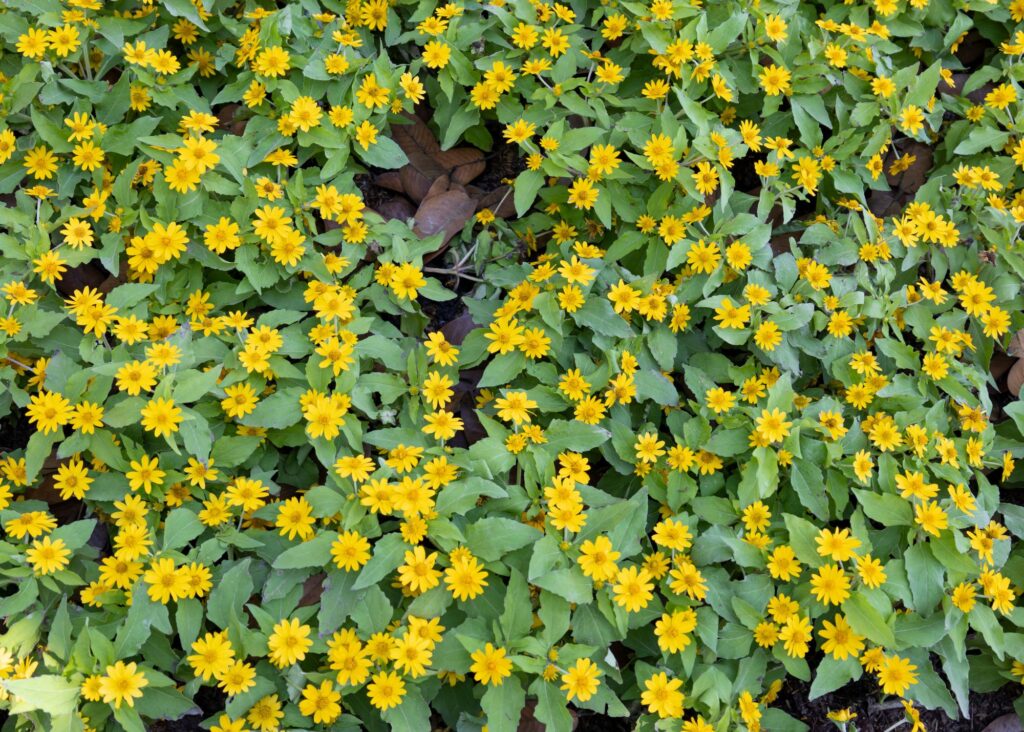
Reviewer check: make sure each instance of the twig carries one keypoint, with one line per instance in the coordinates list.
(455, 272)
(19, 364)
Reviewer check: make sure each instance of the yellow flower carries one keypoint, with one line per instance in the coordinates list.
(840, 639)
(295, 518)
(122, 682)
(662, 696)
(775, 80)
(580, 681)
(48, 556)
(385, 690)
(321, 703)
(161, 417)
(213, 655)
(896, 675)
(633, 589)
(830, 585)
(490, 665)
(288, 642)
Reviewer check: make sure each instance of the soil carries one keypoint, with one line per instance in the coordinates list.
(14, 431)
(186, 724)
(861, 697)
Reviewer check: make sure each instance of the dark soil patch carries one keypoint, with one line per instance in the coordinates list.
(442, 313)
(15, 431)
(862, 697)
(504, 161)
(587, 721)
(186, 724)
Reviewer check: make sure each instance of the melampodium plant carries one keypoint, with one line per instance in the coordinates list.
(725, 415)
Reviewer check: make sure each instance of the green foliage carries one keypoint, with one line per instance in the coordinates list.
(402, 364)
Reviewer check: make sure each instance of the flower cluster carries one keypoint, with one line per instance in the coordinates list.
(723, 401)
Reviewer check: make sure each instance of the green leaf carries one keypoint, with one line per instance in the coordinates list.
(76, 534)
(1015, 410)
(569, 583)
(652, 385)
(385, 153)
(597, 315)
(924, 86)
(230, 593)
(233, 450)
(181, 527)
(121, 140)
(802, 535)
(885, 508)
(325, 501)
(315, 552)
(728, 32)
(40, 446)
(192, 385)
(459, 497)
(48, 693)
(412, 715)
(49, 132)
(982, 138)
(503, 705)
(832, 674)
(808, 481)
(161, 702)
(188, 618)
(337, 600)
(867, 621)
(144, 616)
(388, 553)
(502, 369)
(129, 720)
(279, 410)
(16, 603)
(184, 9)
(926, 575)
(576, 436)
(125, 296)
(527, 185)
(984, 620)
(551, 708)
(493, 537)
(518, 614)
(102, 446)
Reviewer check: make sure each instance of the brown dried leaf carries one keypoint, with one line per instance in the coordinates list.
(439, 186)
(447, 212)
(390, 180)
(415, 137)
(1016, 346)
(463, 164)
(1001, 363)
(1015, 378)
(500, 201)
(312, 589)
(427, 161)
(418, 175)
(396, 208)
(420, 146)
(1006, 723)
(455, 331)
(883, 203)
(230, 118)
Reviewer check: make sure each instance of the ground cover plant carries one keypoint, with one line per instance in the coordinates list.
(407, 365)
